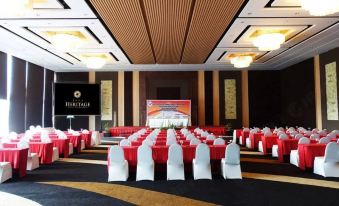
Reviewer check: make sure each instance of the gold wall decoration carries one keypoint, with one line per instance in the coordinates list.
(106, 100)
(331, 91)
(230, 99)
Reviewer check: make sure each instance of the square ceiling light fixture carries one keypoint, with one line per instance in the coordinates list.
(66, 39)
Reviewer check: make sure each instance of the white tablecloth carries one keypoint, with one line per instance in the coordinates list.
(158, 123)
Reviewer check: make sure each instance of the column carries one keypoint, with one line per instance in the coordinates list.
(201, 98)
(216, 95)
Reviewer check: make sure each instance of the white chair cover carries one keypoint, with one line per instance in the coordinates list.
(304, 140)
(315, 136)
(328, 166)
(190, 136)
(210, 137)
(194, 141)
(230, 165)
(124, 143)
(219, 141)
(201, 163)
(298, 136)
(175, 163)
(283, 136)
(232, 154)
(148, 142)
(145, 165)
(325, 140)
(118, 166)
(170, 141)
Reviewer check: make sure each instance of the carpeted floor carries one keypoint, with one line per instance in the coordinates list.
(82, 180)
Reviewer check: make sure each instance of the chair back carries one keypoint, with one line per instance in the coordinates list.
(190, 136)
(267, 134)
(219, 141)
(304, 140)
(210, 137)
(202, 153)
(144, 154)
(116, 154)
(148, 142)
(315, 130)
(283, 136)
(315, 136)
(331, 135)
(325, 140)
(332, 152)
(308, 133)
(194, 141)
(232, 154)
(170, 141)
(298, 136)
(280, 133)
(175, 154)
(125, 143)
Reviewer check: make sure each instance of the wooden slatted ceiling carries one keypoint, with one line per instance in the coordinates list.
(209, 21)
(167, 22)
(125, 20)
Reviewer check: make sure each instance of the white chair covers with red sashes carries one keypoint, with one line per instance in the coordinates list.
(145, 165)
(148, 142)
(124, 143)
(275, 146)
(219, 141)
(32, 159)
(175, 163)
(294, 155)
(5, 171)
(201, 163)
(230, 165)
(118, 166)
(95, 138)
(328, 165)
(260, 145)
(240, 139)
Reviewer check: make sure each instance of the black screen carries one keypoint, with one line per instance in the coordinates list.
(76, 99)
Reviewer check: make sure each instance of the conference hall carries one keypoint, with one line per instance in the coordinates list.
(169, 102)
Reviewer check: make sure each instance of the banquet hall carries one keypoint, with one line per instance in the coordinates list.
(169, 102)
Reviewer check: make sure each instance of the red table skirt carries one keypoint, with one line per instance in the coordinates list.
(17, 158)
(62, 145)
(307, 154)
(44, 151)
(160, 153)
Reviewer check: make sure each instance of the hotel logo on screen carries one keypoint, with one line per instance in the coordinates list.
(77, 99)
(77, 103)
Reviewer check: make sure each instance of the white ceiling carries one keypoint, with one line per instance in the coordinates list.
(311, 36)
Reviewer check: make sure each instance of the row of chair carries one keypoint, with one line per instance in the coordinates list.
(118, 165)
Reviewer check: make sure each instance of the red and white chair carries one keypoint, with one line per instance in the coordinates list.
(328, 165)
(118, 166)
(260, 145)
(275, 146)
(175, 163)
(294, 155)
(145, 165)
(32, 158)
(201, 163)
(230, 165)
